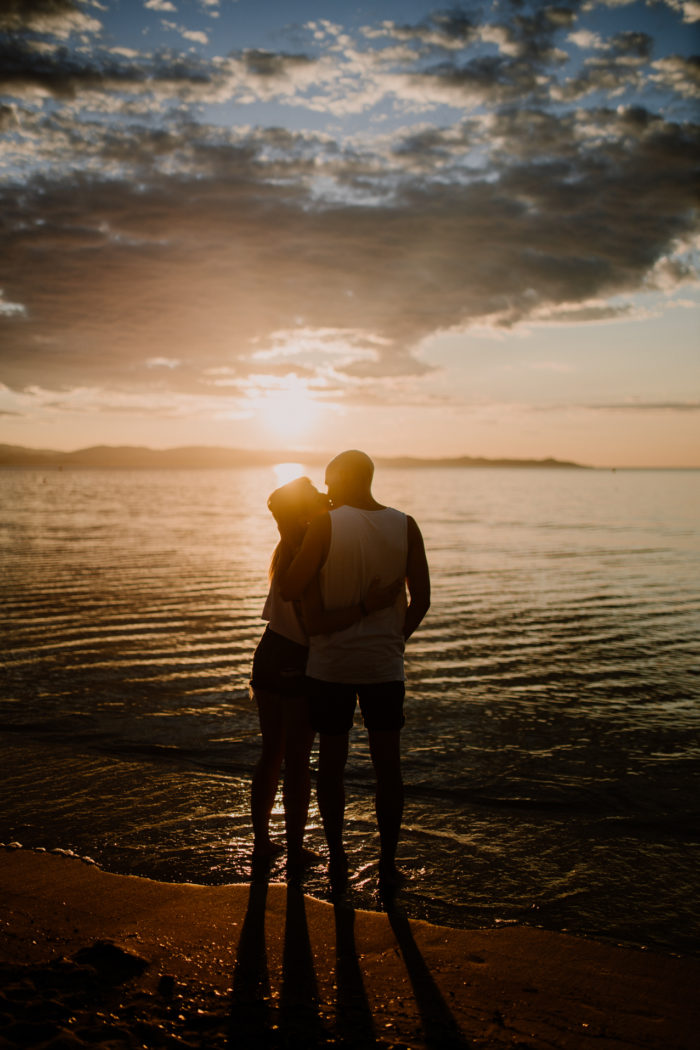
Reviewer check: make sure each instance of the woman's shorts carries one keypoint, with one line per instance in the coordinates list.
(279, 665)
(332, 705)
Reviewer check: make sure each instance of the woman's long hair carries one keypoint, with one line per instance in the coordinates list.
(289, 505)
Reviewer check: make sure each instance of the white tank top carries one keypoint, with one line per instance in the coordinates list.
(363, 544)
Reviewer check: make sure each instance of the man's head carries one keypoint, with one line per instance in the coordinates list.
(349, 477)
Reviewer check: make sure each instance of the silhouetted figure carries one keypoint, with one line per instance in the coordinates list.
(360, 540)
(278, 682)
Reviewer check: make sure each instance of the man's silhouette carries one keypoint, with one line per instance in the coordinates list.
(357, 542)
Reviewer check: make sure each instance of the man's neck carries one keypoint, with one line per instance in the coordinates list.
(361, 502)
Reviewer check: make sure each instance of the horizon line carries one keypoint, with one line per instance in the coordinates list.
(301, 455)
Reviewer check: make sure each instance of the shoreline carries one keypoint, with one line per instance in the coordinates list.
(88, 957)
(416, 910)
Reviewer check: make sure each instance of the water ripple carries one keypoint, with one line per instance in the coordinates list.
(552, 740)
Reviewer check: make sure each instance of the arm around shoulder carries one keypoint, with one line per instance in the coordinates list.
(417, 578)
(308, 560)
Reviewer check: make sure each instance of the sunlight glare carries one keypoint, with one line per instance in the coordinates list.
(287, 409)
(285, 472)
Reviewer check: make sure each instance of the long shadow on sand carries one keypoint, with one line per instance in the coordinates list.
(300, 1022)
(258, 1020)
(250, 1020)
(353, 1016)
(440, 1029)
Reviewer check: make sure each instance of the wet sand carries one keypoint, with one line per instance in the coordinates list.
(93, 959)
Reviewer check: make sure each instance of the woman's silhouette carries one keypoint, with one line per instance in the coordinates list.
(278, 682)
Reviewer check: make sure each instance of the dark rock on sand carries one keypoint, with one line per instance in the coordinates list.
(113, 964)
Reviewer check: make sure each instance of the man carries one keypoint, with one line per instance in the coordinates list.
(358, 542)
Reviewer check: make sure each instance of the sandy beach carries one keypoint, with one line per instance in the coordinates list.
(93, 959)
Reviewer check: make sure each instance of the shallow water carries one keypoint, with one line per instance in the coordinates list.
(552, 744)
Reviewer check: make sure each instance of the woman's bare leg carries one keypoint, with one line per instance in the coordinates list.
(267, 771)
(297, 779)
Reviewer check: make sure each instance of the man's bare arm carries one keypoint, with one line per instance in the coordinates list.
(417, 578)
(308, 561)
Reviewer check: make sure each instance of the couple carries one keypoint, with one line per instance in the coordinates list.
(338, 620)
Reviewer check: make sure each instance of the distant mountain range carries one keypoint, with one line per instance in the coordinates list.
(128, 457)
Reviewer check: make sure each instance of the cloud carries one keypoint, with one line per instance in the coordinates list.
(649, 406)
(689, 9)
(586, 39)
(196, 36)
(8, 309)
(59, 18)
(443, 29)
(448, 59)
(616, 65)
(274, 65)
(205, 270)
(87, 401)
(678, 74)
(631, 44)
(447, 63)
(119, 81)
(150, 252)
(584, 313)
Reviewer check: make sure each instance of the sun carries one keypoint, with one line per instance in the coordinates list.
(285, 472)
(285, 407)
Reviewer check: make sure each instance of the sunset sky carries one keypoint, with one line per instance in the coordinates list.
(435, 231)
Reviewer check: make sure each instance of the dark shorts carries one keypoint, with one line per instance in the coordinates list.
(332, 705)
(279, 665)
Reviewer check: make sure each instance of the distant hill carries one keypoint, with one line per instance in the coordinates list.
(131, 457)
(477, 461)
(134, 457)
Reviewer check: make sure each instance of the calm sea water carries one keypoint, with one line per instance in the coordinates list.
(552, 744)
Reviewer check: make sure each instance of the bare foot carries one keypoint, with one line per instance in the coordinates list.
(304, 856)
(266, 850)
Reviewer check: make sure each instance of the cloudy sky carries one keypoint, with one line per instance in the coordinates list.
(412, 229)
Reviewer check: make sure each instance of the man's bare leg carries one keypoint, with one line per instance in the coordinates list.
(330, 791)
(297, 782)
(384, 746)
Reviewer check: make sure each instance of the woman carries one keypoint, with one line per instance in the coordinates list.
(278, 678)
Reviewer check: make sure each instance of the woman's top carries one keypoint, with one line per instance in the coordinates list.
(283, 617)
